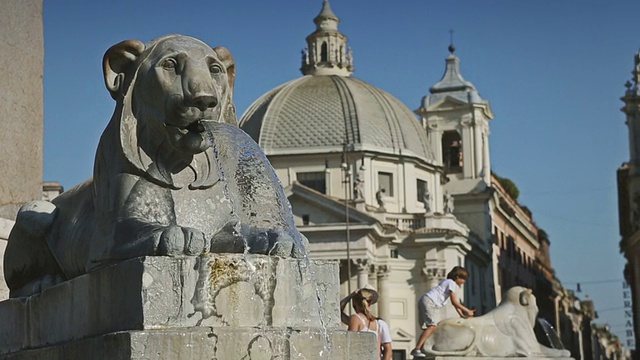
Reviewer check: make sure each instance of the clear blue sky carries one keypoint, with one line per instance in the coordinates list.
(553, 71)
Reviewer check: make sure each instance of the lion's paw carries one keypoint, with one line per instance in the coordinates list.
(235, 238)
(276, 242)
(177, 240)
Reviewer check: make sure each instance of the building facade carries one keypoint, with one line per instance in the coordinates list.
(628, 176)
(364, 183)
(505, 239)
(399, 197)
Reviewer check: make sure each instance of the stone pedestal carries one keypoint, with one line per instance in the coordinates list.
(206, 307)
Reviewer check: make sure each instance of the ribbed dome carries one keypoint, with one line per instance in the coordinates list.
(315, 114)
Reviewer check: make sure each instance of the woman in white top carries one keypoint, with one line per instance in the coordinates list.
(363, 319)
(435, 299)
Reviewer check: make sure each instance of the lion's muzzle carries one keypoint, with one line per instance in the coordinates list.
(204, 101)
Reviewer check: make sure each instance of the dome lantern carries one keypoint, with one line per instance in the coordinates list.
(327, 52)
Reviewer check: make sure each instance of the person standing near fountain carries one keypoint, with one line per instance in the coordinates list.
(383, 333)
(435, 299)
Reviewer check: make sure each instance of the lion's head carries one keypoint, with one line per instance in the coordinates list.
(523, 299)
(167, 91)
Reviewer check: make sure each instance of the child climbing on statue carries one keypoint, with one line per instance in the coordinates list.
(435, 299)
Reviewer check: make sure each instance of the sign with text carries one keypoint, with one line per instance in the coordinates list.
(628, 316)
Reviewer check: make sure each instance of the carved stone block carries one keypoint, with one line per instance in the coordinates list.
(231, 292)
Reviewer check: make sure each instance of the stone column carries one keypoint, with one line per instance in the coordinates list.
(479, 151)
(468, 148)
(21, 105)
(362, 266)
(486, 160)
(433, 275)
(382, 272)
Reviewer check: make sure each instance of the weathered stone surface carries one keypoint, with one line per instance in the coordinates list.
(217, 291)
(21, 109)
(212, 343)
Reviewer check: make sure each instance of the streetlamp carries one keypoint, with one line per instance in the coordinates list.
(347, 196)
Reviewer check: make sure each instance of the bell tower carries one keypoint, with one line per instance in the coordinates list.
(457, 119)
(327, 52)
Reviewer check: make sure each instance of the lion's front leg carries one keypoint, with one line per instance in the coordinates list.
(135, 238)
(147, 224)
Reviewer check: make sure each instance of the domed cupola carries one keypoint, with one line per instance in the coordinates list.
(327, 107)
(327, 52)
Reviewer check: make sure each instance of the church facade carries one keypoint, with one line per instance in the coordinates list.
(399, 197)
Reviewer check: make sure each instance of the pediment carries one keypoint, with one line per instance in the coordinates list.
(400, 335)
(447, 103)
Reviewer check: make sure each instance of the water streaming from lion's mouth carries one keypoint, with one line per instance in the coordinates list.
(264, 205)
(551, 337)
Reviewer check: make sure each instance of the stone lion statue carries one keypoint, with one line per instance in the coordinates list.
(506, 331)
(173, 175)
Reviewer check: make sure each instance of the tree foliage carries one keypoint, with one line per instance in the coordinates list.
(509, 186)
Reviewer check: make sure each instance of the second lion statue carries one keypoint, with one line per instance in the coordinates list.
(173, 175)
(504, 332)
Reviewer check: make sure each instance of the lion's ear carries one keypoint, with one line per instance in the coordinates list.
(229, 111)
(227, 59)
(116, 63)
(524, 297)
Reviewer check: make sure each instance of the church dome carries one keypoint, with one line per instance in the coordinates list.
(327, 107)
(321, 112)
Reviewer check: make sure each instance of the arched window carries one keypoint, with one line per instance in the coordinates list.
(324, 53)
(452, 151)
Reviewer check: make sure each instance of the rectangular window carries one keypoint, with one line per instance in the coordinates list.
(305, 219)
(315, 180)
(398, 355)
(393, 253)
(421, 186)
(385, 181)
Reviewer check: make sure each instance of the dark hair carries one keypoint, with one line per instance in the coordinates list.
(458, 272)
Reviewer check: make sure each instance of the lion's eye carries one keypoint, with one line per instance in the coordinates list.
(215, 69)
(169, 64)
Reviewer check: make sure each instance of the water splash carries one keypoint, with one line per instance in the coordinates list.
(549, 334)
(260, 208)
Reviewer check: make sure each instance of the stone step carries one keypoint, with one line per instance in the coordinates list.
(197, 343)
